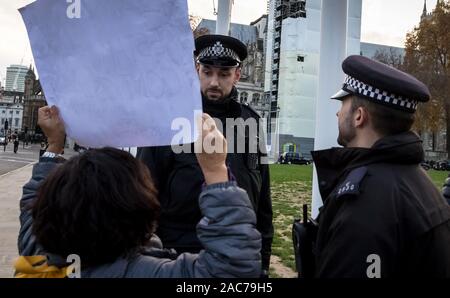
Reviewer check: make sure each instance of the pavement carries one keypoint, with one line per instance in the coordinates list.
(10, 161)
(15, 171)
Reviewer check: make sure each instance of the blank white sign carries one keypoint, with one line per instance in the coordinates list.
(120, 71)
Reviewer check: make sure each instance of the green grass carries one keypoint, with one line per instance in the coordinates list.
(286, 173)
(291, 188)
(438, 177)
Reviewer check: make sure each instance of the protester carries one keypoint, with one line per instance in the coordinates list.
(102, 206)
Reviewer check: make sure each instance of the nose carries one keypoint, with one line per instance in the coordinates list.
(214, 81)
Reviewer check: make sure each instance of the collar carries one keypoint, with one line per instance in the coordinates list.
(332, 164)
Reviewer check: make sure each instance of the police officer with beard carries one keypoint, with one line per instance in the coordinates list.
(178, 176)
(382, 215)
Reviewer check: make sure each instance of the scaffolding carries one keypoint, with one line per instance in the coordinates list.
(291, 8)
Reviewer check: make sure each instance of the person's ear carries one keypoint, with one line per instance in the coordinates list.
(237, 75)
(360, 117)
(197, 67)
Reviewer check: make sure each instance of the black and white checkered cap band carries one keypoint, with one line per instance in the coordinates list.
(218, 51)
(385, 97)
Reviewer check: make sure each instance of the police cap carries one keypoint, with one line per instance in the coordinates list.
(381, 84)
(219, 51)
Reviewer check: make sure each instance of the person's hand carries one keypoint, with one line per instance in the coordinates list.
(53, 127)
(211, 151)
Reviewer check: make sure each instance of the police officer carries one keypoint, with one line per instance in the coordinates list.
(178, 177)
(382, 215)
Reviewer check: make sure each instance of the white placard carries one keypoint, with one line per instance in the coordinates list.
(120, 71)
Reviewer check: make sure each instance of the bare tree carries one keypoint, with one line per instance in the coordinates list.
(390, 57)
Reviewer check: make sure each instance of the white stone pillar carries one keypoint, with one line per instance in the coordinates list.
(224, 17)
(333, 49)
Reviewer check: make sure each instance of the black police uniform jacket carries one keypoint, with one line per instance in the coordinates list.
(382, 214)
(179, 180)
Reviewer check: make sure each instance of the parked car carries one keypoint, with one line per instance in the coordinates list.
(293, 158)
(3, 140)
(425, 165)
(442, 165)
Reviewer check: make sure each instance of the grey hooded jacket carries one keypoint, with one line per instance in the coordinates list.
(227, 232)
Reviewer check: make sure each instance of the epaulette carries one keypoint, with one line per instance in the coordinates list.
(352, 183)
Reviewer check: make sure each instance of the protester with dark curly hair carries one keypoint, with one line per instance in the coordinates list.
(102, 206)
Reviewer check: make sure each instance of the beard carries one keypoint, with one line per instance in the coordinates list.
(214, 94)
(347, 132)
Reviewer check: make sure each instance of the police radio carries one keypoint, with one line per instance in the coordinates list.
(303, 237)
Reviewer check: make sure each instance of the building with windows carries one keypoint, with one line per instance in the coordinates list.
(33, 100)
(292, 68)
(15, 78)
(11, 112)
(286, 43)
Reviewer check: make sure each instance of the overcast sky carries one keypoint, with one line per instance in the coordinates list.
(383, 21)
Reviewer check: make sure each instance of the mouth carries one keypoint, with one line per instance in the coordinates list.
(214, 93)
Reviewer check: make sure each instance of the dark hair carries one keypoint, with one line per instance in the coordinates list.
(100, 205)
(385, 120)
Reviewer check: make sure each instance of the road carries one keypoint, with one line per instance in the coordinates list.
(10, 161)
